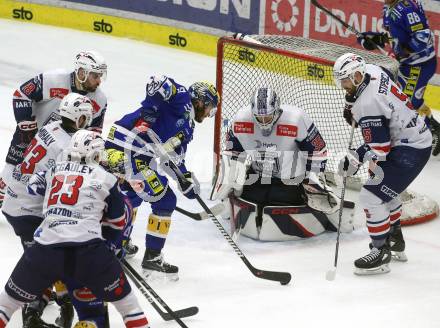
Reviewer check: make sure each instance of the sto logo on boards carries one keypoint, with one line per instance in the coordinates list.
(101, 26)
(177, 40)
(22, 14)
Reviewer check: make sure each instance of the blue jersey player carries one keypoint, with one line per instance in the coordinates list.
(169, 111)
(412, 42)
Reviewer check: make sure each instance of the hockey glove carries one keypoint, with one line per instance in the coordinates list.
(189, 186)
(26, 131)
(435, 130)
(350, 164)
(320, 197)
(119, 251)
(348, 115)
(370, 40)
(37, 184)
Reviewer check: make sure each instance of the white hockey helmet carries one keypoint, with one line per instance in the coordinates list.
(265, 106)
(86, 146)
(90, 61)
(74, 106)
(346, 66)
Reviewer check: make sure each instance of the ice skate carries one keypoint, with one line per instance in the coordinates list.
(375, 262)
(67, 312)
(154, 267)
(130, 249)
(32, 318)
(397, 245)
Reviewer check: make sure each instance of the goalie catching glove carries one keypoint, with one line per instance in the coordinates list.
(319, 196)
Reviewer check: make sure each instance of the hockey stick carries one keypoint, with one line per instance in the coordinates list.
(282, 277)
(331, 274)
(349, 27)
(216, 210)
(146, 290)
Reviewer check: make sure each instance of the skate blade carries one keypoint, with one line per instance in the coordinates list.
(156, 276)
(399, 256)
(384, 268)
(129, 256)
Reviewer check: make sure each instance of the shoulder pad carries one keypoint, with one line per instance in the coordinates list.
(162, 86)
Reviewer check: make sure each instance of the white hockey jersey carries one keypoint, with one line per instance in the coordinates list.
(40, 155)
(276, 155)
(78, 197)
(39, 98)
(386, 116)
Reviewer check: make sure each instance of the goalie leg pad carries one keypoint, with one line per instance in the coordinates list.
(241, 212)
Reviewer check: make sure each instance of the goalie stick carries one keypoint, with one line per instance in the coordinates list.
(282, 277)
(349, 27)
(331, 274)
(146, 290)
(215, 210)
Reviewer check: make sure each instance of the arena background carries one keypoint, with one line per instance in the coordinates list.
(195, 25)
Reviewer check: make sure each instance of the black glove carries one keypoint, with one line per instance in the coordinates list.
(350, 164)
(435, 130)
(348, 115)
(189, 185)
(370, 40)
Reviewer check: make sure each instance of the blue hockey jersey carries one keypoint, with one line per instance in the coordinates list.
(411, 38)
(167, 110)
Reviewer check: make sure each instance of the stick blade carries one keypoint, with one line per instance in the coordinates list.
(330, 275)
(216, 210)
(183, 313)
(282, 277)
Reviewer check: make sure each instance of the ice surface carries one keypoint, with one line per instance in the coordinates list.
(211, 275)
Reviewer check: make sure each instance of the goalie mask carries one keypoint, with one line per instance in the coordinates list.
(265, 105)
(86, 146)
(346, 66)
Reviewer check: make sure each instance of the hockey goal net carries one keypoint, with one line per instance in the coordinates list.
(300, 70)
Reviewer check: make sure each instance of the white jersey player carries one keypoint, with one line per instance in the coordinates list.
(397, 143)
(36, 103)
(283, 148)
(22, 210)
(69, 246)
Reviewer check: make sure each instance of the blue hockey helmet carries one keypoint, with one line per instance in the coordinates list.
(207, 93)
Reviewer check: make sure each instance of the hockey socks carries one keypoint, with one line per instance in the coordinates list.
(131, 312)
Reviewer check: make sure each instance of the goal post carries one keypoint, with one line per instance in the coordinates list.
(301, 72)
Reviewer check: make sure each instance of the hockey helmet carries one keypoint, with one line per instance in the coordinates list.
(207, 93)
(346, 66)
(73, 106)
(86, 146)
(265, 106)
(90, 61)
